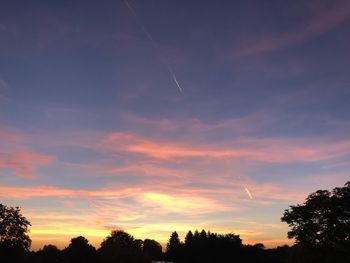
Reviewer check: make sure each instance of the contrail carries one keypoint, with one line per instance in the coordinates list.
(155, 44)
(175, 80)
(248, 192)
(126, 2)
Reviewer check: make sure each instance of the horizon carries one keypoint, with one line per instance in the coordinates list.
(163, 116)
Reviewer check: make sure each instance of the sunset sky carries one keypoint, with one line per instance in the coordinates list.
(162, 115)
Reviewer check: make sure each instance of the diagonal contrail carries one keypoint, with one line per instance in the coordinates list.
(155, 44)
(175, 80)
(126, 2)
(248, 192)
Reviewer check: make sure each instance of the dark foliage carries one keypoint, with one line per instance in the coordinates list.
(321, 226)
(174, 248)
(14, 239)
(152, 249)
(49, 253)
(79, 250)
(121, 247)
(211, 247)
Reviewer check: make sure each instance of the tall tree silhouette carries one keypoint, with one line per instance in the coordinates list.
(173, 248)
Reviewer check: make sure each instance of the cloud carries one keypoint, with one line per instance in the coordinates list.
(23, 163)
(183, 204)
(3, 85)
(10, 135)
(15, 156)
(322, 20)
(51, 191)
(272, 150)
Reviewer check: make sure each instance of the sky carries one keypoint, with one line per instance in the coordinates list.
(162, 115)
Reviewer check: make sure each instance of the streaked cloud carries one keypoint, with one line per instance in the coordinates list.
(264, 149)
(23, 163)
(323, 16)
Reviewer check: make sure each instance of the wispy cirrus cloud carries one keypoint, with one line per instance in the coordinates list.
(264, 149)
(23, 163)
(15, 157)
(3, 87)
(324, 16)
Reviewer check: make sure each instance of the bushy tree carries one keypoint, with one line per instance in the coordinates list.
(14, 228)
(152, 249)
(323, 220)
(14, 239)
(121, 247)
(322, 224)
(48, 254)
(79, 250)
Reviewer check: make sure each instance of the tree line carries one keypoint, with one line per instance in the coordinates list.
(320, 227)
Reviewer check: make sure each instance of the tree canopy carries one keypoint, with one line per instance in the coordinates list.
(321, 226)
(79, 249)
(120, 246)
(323, 220)
(152, 249)
(14, 228)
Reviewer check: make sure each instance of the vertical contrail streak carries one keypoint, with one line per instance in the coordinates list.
(155, 44)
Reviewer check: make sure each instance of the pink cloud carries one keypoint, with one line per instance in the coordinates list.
(10, 135)
(23, 163)
(264, 149)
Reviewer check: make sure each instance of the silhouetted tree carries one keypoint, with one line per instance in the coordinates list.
(189, 238)
(121, 247)
(173, 248)
(205, 247)
(79, 250)
(152, 249)
(188, 247)
(321, 226)
(14, 239)
(48, 254)
(259, 246)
